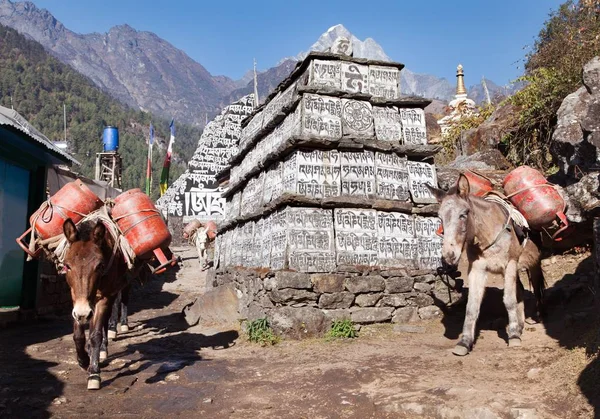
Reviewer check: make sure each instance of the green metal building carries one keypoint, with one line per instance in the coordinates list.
(25, 155)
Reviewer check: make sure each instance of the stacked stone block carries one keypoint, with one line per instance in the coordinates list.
(331, 176)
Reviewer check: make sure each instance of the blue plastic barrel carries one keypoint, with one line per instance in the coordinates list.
(110, 139)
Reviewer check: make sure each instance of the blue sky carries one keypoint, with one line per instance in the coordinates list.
(490, 38)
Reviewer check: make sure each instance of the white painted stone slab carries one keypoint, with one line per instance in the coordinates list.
(251, 129)
(315, 174)
(388, 126)
(278, 221)
(266, 241)
(398, 251)
(324, 73)
(357, 173)
(251, 195)
(278, 103)
(357, 119)
(427, 226)
(391, 177)
(304, 261)
(384, 82)
(395, 224)
(356, 236)
(355, 77)
(414, 129)
(420, 174)
(429, 252)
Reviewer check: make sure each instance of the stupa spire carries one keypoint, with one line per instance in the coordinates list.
(460, 81)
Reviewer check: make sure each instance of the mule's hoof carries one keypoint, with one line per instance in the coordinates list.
(124, 328)
(93, 382)
(103, 356)
(111, 334)
(514, 343)
(460, 350)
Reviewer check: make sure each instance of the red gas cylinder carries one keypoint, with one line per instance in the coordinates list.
(535, 198)
(143, 227)
(74, 200)
(479, 184)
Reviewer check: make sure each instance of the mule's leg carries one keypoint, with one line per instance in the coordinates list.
(104, 345)
(516, 322)
(477, 279)
(520, 304)
(114, 318)
(96, 334)
(124, 304)
(83, 359)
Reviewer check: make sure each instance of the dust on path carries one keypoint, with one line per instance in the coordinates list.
(163, 368)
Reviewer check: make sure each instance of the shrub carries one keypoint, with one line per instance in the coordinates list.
(343, 329)
(568, 40)
(467, 121)
(259, 331)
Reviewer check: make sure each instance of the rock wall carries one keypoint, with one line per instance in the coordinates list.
(304, 305)
(53, 294)
(576, 138)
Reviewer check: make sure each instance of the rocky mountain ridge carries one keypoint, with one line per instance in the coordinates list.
(146, 72)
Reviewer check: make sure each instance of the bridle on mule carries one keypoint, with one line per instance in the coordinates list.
(508, 226)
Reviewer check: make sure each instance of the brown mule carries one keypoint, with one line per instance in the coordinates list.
(485, 232)
(95, 276)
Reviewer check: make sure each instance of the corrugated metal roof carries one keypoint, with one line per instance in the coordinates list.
(14, 119)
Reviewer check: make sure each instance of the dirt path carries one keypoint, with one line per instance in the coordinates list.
(161, 368)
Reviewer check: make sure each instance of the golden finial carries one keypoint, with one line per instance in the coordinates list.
(460, 81)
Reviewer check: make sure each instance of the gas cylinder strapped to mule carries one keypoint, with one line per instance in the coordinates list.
(99, 253)
(485, 230)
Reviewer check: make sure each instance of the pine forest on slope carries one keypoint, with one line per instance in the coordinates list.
(38, 85)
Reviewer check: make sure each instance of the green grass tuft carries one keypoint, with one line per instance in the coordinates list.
(342, 329)
(259, 331)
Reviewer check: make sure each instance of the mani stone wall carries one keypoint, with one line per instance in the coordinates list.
(330, 178)
(196, 194)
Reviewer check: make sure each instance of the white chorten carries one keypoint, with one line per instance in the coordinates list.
(460, 106)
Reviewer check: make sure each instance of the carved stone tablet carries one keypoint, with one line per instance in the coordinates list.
(388, 126)
(358, 173)
(356, 236)
(391, 177)
(355, 78)
(357, 119)
(395, 224)
(430, 252)
(420, 174)
(325, 73)
(310, 239)
(342, 46)
(384, 82)
(413, 126)
(398, 251)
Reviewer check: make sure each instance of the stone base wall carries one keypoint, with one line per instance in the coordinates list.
(304, 305)
(54, 294)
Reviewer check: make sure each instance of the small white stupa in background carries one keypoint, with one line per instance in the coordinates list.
(460, 106)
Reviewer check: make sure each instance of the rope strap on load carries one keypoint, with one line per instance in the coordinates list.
(56, 247)
(512, 211)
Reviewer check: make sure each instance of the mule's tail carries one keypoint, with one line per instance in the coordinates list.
(530, 264)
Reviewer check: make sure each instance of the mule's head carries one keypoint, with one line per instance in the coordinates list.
(84, 263)
(454, 212)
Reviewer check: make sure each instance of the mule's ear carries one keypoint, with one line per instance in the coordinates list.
(98, 233)
(437, 193)
(70, 231)
(463, 186)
